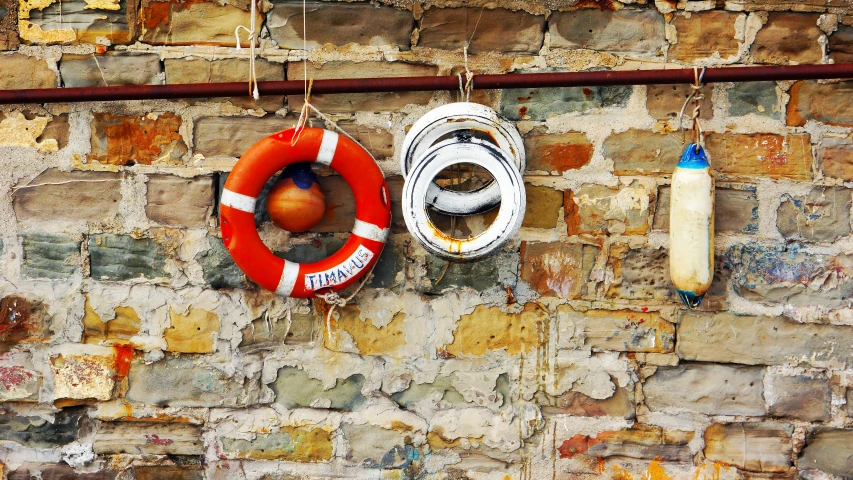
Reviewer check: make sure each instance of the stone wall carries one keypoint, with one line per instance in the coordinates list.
(135, 349)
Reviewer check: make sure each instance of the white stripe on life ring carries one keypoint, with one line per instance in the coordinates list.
(288, 279)
(239, 201)
(327, 147)
(369, 231)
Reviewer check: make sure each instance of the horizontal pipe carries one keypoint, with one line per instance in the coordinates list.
(409, 84)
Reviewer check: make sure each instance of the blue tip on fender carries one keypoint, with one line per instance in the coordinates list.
(694, 157)
(690, 299)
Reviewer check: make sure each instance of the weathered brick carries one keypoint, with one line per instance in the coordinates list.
(441, 387)
(641, 273)
(293, 388)
(78, 21)
(111, 68)
(180, 382)
(620, 330)
(828, 450)
(218, 268)
(723, 337)
(23, 319)
(703, 35)
(822, 215)
(84, 376)
(376, 140)
(148, 438)
(836, 157)
(372, 446)
(759, 98)
(783, 5)
(791, 276)
(487, 328)
(178, 23)
(313, 251)
(788, 38)
(850, 402)
(481, 275)
(231, 136)
(121, 257)
(395, 191)
(289, 444)
(127, 140)
(389, 268)
(539, 104)
(750, 446)
(821, 102)
(558, 268)
(556, 152)
(9, 24)
(61, 471)
(119, 330)
(635, 32)
(761, 154)
(706, 388)
(542, 208)
(21, 71)
(192, 332)
(186, 470)
(451, 28)
(263, 333)
(840, 45)
(19, 380)
(47, 255)
(366, 336)
(355, 102)
(30, 129)
(620, 404)
(802, 397)
(203, 70)
(660, 153)
(664, 101)
(600, 210)
(339, 24)
(639, 441)
(179, 202)
(34, 431)
(735, 210)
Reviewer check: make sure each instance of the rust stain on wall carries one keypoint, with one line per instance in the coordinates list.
(571, 214)
(20, 319)
(128, 140)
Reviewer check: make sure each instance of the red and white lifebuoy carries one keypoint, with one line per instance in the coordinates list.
(258, 165)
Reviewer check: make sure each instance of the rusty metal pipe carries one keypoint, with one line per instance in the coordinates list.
(408, 84)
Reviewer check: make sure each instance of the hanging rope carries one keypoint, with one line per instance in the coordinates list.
(697, 97)
(469, 76)
(253, 78)
(332, 297)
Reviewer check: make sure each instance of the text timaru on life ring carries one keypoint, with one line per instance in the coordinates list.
(340, 273)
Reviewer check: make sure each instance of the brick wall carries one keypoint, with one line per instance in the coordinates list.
(134, 348)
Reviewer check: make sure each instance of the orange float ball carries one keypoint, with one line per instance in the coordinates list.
(295, 202)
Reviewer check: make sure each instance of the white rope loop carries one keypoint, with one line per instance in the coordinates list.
(696, 96)
(253, 78)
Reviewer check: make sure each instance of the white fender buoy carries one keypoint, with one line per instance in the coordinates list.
(419, 194)
(462, 119)
(691, 226)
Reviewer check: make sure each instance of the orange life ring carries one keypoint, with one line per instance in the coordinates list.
(258, 165)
